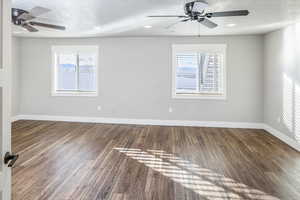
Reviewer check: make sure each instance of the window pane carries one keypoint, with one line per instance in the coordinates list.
(87, 72)
(210, 73)
(187, 73)
(66, 72)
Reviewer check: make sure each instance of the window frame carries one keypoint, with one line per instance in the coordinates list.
(196, 48)
(76, 50)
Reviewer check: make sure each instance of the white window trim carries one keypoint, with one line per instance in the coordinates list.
(72, 49)
(192, 48)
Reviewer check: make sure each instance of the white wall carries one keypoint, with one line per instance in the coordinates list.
(135, 80)
(282, 81)
(15, 76)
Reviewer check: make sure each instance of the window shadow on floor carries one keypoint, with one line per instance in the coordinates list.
(204, 182)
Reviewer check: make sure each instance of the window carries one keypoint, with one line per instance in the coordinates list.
(199, 71)
(74, 70)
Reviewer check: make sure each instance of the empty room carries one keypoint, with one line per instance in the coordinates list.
(150, 100)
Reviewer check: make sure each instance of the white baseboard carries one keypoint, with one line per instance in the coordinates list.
(291, 142)
(141, 121)
(216, 124)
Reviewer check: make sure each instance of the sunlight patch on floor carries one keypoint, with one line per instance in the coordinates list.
(205, 182)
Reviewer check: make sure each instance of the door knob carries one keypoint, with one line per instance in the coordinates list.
(10, 159)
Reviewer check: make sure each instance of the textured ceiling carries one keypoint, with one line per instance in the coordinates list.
(90, 18)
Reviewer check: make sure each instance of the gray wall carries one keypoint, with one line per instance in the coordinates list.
(135, 80)
(15, 76)
(282, 81)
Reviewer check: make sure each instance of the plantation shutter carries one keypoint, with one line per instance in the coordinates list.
(210, 70)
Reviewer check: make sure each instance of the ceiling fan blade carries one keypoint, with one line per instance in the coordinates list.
(26, 16)
(34, 12)
(37, 11)
(171, 25)
(48, 25)
(208, 23)
(48, 20)
(228, 13)
(178, 16)
(29, 28)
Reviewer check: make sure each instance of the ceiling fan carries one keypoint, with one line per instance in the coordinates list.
(23, 18)
(195, 11)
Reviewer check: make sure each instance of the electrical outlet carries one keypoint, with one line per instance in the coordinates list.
(170, 110)
(99, 108)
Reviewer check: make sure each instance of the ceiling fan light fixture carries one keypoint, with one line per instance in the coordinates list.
(199, 6)
(97, 28)
(231, 25)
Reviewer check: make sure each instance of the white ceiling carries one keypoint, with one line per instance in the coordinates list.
(89, 18)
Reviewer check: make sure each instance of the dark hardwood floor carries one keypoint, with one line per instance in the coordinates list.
(64, 161)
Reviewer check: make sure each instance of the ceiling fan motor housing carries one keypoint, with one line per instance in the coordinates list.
(15, 14)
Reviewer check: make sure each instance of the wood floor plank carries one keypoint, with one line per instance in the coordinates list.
(70, 161)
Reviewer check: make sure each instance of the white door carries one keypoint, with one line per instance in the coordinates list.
(5, 84)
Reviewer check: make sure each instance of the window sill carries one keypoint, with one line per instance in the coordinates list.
(74, 94)
(199, 96)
